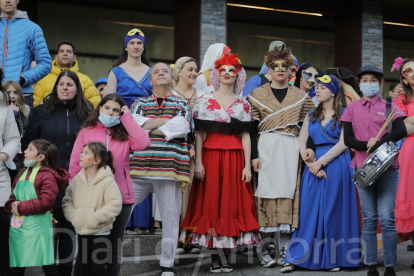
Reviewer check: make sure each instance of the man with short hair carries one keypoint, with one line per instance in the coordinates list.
(22, 41)
(395, 90)
(101, 85)
(65, 59)
(165, 166)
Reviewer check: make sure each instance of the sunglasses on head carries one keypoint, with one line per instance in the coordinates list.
(310, 76)
(135, 31)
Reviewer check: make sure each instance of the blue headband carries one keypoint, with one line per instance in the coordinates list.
(134, 33)
(330, 82)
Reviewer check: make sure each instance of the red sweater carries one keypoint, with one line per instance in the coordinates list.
(47, 185)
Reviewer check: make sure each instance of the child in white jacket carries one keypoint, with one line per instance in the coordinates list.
(91, 203)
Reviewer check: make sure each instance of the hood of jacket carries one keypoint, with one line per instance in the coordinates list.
(25, 110)
(20, 15)
(61, 176)
(3, 99)
(56, 70)
(103, 173)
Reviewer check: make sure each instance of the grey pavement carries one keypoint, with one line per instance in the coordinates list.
(244, 266)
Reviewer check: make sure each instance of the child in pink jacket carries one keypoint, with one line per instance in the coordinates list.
(112, 124)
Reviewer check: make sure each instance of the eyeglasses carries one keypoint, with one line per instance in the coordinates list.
(310, 76)
(279, 66)
(135, 31)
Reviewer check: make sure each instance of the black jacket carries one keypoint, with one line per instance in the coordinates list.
(60, 128)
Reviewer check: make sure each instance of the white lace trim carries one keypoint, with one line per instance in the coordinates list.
(220, 241)
(259, 103)
(284, 109)
(284, 228)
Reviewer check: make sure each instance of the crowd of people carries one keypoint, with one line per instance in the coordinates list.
(227, 163)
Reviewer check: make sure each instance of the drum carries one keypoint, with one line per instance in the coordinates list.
(375, 165)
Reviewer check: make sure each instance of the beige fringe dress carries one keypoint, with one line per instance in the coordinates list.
(277, 184)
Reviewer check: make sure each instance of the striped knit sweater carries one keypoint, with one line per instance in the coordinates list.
(165, 159)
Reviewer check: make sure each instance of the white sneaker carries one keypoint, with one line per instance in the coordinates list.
(282, 254)
(287, 268)
(195, 250)
(267, 260)
(335, 269)
(180, 251)
(168, 273)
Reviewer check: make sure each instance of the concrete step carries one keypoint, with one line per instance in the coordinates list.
(144, 265)
(141, 255)
(141, 245)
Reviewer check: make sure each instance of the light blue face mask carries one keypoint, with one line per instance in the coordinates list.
(8, 164)
(30, 163)
(109, 121)
(369, 89)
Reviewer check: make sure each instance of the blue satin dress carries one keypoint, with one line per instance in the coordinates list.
(328, 235)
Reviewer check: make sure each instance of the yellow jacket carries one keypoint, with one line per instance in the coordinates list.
(45, 86)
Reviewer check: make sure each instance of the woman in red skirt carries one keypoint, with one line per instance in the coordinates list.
(221, 213)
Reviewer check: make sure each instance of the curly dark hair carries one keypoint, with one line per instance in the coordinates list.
(408, 91)
(281, 52)
(337, 105)
(84, 107)
(118, 132)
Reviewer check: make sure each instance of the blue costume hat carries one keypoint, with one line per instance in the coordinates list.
(134, 33)
(330, 82)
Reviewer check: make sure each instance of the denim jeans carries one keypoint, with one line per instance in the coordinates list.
(385, 190)
(28, 99)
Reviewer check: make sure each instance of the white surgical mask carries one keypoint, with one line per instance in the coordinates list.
(30, 163)
(369, 89)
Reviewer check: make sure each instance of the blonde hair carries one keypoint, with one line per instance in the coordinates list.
(18, 90)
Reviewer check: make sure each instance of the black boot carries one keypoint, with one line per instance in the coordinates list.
(389, 271)
(372, 270)
(65, 270)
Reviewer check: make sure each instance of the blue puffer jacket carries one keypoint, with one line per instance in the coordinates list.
(22, 41)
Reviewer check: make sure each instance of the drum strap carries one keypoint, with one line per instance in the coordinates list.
(388, 111)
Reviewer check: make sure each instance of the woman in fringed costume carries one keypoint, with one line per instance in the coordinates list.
(279, 110)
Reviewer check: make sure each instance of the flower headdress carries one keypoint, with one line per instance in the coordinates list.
(397, 64)
(229, 59)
